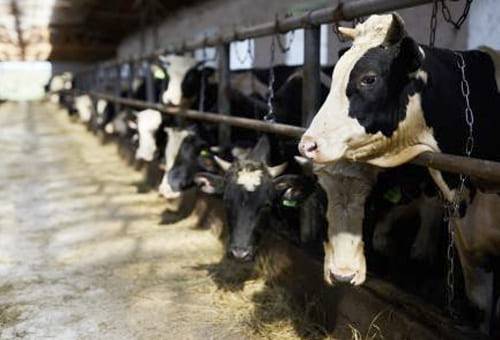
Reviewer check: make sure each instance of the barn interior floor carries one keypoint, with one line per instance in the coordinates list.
(82, 255)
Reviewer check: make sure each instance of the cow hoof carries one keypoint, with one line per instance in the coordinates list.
(381, 243)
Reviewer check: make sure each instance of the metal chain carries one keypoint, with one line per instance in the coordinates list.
(269, 117)
(447, 14)
(452, 210)
(283, 48)
(249, 55)
(432, 33)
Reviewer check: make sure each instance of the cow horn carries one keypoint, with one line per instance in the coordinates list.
(348, 32)
(225, 165)
(277, 170)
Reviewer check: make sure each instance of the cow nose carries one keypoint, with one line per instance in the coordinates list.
(343, 278)
(308, 147)
(241, 253)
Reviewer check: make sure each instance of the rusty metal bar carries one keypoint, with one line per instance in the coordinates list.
(478, 168)
(281, 129)
(346, 10)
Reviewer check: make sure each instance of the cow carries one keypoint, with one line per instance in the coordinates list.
(151, 134)
(250, 190)
(84, 108)
(392, 99)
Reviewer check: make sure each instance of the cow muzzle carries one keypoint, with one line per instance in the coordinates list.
(241, 254)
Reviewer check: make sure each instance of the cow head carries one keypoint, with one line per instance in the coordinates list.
(83, 105)
(177, 67)
(184, 157)
(148, 123)
(347, 186)
(249, 189)
(373, 112)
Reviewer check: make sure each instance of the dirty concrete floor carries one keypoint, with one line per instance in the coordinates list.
(81, 253)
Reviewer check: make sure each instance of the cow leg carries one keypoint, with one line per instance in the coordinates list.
(425, 246)
(384, 226)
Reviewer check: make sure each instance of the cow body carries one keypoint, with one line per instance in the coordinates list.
(392, 99)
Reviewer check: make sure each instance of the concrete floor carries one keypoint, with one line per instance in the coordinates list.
(81, 253)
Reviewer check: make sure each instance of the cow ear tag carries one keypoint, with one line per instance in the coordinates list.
(393, 195)
(205, 153)
(289, 203)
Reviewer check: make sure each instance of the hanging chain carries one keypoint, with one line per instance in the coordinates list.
(285, 48)
(447, 14)
(452, 211)
(432, 33)
(269, 117)
(249, 55)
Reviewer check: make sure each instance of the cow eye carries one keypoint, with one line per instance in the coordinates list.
(368, 80)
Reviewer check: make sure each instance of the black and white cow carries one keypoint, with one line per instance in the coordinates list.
(250, 190)
(392, 99)
(84, 108)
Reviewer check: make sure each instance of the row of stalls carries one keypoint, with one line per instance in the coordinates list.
(408, 288)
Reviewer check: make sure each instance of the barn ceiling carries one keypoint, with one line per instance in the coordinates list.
(74, 30)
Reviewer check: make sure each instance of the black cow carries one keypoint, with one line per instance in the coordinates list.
(250, 190)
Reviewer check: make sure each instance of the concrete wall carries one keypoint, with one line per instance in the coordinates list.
(482, 27)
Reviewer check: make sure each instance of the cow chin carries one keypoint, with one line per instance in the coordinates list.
(346, 266)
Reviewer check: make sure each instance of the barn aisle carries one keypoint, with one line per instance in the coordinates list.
(81, 253)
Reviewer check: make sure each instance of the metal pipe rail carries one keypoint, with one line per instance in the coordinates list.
(481, 169)
(347, 10)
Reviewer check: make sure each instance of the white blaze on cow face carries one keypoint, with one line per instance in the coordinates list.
(249, 179)
(101, 106)
(83, 105)
(177, 68)
(347, 186)
(335, 134)
(175, 140)
(148, 122)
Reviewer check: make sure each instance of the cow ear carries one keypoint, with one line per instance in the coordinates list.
(410, 55)
(396, 31)
(209, 183)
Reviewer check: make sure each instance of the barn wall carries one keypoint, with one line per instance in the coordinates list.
(208, 17)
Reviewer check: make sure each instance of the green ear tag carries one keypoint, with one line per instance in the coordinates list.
(204, 153)
(393, 195)
(289, 203)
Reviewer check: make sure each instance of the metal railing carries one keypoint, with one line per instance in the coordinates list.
(482, 169)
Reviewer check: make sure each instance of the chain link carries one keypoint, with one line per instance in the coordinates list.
(452, 211)
(269, 117)
(447, 14)
(283, 48)
(249, 54)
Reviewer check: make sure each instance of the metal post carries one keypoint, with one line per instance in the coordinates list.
(118, 86)
(224, 103)
(131, 76)
(311, 86)
(150, 97)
